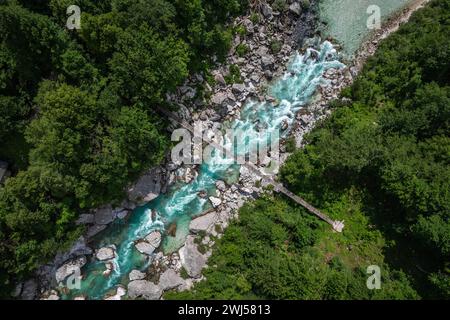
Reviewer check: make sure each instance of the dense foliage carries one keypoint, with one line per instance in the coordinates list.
(381, 163)
(77, 107)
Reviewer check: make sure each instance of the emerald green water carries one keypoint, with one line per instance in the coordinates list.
(347, 19)
(293, 91)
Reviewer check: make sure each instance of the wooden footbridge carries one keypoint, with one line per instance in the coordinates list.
(278, 187)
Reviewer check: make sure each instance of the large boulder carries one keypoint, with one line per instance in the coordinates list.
(192, 260)
(79, 248)
(149, 244)
(69, 268)
(94, 230)
(105, 253)
(147, 188)
(145, 289)
(104, 215)
(170, 280)
(203, 223)
(136, 275)
(144, 247)
(154, 239)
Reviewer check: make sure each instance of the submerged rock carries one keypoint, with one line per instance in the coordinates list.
(145, 289)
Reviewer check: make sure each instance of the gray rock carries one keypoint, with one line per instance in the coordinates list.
(266, 10)
(85, 218)
(17, 290)
(145, 289)
(150, 243)
(188, 92)
(78, 249)
(147, 187)
(121, 291)
(144, 247)
(267, 62)
(215, 201)
(69, 268)
(219, 98)
(248, 24)
(295, 8)
(170, 280)
(104, 215)
(220, 185)
(105, 253)
(94, 230)
(192, 260)
(122, 214)
(220, 79)
(203, 223)
(136, 275)
(52, 297)
(154, 238)
(29, 291)
(238, 88)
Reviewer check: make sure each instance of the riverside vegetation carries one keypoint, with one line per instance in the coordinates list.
(77, 108)
(381, 163)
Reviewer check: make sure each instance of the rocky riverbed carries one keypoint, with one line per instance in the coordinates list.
(270, 42)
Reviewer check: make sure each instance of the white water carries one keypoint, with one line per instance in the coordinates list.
(293, 91)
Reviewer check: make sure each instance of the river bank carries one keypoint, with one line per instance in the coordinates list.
(180, 269)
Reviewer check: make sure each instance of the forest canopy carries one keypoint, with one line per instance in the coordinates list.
(78, 120)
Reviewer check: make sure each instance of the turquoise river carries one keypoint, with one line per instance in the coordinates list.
(181, 203)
